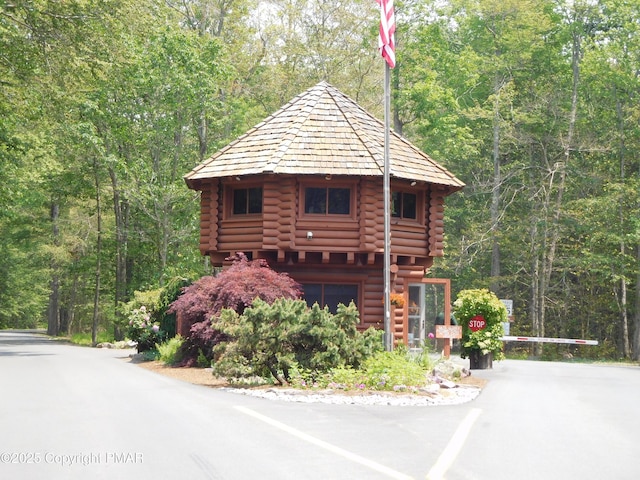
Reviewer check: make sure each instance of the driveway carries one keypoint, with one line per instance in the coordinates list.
(69, 412)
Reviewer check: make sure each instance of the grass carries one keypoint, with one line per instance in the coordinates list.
(85, 338)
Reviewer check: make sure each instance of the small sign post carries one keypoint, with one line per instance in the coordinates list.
(508, 304)
(448, 332)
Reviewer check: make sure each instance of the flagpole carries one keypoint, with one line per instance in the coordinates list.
(386, 190)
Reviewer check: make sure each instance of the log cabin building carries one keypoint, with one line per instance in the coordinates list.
(303, 190)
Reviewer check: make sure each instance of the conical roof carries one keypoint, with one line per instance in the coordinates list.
(321, 132)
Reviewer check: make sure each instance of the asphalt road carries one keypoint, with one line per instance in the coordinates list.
(70, 412)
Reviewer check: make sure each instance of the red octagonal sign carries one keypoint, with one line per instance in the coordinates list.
(477, 323)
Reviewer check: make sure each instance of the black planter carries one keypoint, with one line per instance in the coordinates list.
(479, 360)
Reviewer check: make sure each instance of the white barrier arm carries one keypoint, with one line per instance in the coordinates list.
(574, 341)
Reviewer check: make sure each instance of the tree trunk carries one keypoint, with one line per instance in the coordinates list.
(96, 295)
(626, 347)
(73, 299)
(636, 337)
(121, 213)
(53, 309)
(494, 210)
(559, 169)
(534, 251)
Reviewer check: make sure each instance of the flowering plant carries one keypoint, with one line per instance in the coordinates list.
(396, 299)
(481, 315)
(141, 329)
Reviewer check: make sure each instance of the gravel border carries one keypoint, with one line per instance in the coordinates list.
(450, 396)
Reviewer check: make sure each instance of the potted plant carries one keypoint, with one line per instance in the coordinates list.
(396, 300)
(481, 315)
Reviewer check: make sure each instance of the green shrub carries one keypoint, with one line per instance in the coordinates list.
(202, 361)
(143, 330)
(391, 370)
(345, 378)
(483, 305)
(276, 339)
(149, 355)
(170, 350)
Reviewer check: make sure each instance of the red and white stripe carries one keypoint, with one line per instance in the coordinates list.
(386, 40)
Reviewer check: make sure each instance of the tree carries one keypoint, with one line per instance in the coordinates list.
(235, 288)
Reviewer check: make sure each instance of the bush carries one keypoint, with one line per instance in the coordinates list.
(169, 293)
(169, 351)
(234, 288)
(399, 370)
(197, 348)
(141, 329)
(345, 378)
(273, 340)
(481, 304)
(393, 370)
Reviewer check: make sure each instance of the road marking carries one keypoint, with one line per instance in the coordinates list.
(327, 446)
(451, 451)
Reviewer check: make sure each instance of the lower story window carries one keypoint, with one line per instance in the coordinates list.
(330, 294)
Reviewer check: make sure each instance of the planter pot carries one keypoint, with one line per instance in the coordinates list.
(479, 360)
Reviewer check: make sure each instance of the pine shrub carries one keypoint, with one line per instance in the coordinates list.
(275, 339)
(169, 351)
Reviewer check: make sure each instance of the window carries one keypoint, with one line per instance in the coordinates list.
(322, 201)
(404, 205)
(247, 200)
(329, 294)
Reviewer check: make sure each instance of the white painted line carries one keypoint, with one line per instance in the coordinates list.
(327, 446)
(451, 451)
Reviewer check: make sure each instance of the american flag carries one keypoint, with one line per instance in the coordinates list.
(386, 41)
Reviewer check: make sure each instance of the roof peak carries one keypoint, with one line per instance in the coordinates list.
(321, 131)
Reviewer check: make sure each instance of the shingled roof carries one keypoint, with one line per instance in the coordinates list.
(321, 132)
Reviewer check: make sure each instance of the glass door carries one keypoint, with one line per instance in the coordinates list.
(416, 315)
(429, 305)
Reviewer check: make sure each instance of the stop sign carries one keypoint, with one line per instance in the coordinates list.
(477, 323)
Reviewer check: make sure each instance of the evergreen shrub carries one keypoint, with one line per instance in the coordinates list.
(274, 340)
(169, 351)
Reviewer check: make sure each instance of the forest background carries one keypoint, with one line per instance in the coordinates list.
(534, 104)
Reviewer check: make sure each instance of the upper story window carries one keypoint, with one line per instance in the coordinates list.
(327, 200)
(247, 201)
(404, 205)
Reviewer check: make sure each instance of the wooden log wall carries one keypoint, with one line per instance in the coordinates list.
(330, 236)
(279, 211)
(435, 221)
(372, 308)
(410, 241)
(209, 208)
(371, 213)
(281, 229)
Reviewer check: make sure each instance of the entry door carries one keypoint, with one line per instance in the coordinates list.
(429, 303)
(416, 315)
